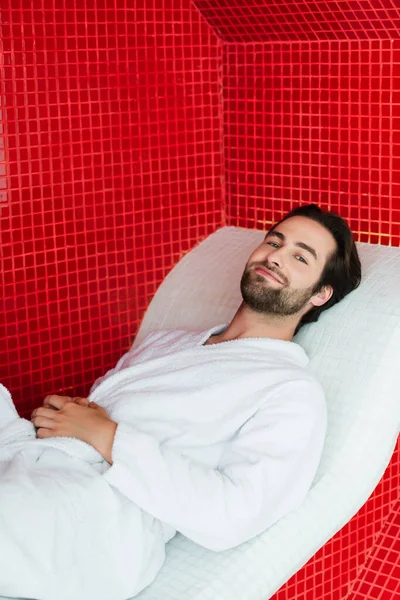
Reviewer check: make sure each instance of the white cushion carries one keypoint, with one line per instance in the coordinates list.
(354, 351)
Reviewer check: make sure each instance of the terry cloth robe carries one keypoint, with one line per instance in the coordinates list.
(215, 441)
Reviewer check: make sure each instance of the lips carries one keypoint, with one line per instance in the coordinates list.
(268, 273)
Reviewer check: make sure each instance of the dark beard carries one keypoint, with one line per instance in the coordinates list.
(272, 301)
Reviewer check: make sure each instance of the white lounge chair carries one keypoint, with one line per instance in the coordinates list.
(354, 350)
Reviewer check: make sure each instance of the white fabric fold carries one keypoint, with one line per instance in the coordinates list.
(215, 441)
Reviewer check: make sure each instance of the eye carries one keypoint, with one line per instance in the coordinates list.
(301, 259)
(274, 244)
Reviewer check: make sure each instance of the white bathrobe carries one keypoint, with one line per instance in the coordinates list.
(217, 442)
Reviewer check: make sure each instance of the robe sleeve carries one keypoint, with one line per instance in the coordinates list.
(265, 471)
(12, 427)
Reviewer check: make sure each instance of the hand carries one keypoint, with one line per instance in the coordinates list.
(89, 423)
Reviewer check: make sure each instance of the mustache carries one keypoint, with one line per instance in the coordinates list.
(253, 266)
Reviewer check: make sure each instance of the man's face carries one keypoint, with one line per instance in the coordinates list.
(281, 275)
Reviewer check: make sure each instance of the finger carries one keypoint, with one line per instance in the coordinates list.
(56, 401)
(81, 401)
(45, 422)
(45, 433)
(43, 411)
(50, 397)
(101, 411)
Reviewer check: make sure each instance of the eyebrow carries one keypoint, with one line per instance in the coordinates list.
(302, 245)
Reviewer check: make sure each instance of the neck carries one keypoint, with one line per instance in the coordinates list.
(248, 324)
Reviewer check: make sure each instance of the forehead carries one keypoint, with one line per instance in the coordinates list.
(306, 231)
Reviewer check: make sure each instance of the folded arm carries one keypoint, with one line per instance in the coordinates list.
(265, 472)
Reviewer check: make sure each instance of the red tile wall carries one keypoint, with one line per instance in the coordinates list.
(114, 143)
(314, 122)
(110, 169)
(380, 577)
(300, 20)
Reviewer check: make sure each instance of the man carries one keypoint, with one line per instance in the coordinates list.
(215, 434)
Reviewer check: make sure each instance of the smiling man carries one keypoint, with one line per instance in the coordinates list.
(282, 277)
(307, 263)
(216, 434)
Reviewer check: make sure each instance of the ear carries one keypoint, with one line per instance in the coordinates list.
(323, 296)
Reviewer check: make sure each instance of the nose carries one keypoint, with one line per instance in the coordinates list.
(276, 258)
